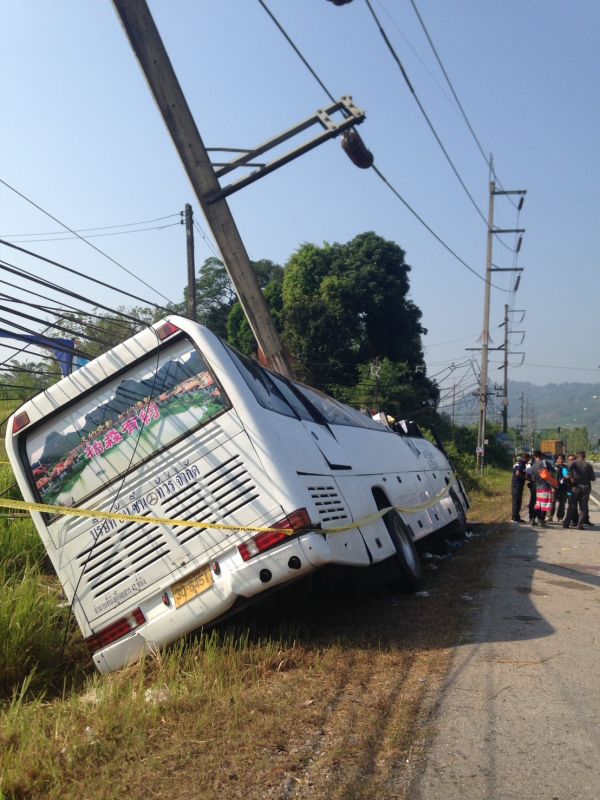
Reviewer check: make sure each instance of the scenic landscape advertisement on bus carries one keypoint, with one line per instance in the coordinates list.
(123, 423)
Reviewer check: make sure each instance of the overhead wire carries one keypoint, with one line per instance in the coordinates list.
(20, 350)
(59, 313)
(60, 348)
(454, 94)
(67, 307)
(98, 228)
(80, 274)
(427, 119)
(83, 239)
(411, 88)
(100, 235)
(22, 273)
(373, 167)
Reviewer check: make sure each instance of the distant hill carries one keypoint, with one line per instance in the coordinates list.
(568, 405)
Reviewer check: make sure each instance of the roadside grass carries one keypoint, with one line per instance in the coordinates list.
(328, 694)
(491, 502)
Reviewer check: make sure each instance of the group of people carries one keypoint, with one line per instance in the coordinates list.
(560, 489)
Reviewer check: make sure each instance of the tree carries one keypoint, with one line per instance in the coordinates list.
(345, 305)
(216, 296)
(99, 330)
(239, 332)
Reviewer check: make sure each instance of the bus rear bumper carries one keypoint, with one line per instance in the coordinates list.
(165, 623)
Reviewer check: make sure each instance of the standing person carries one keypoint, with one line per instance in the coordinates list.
(560, 494)
(582, 474)
(543, 489)
(571, 514)
(531, 486)
(519, 476)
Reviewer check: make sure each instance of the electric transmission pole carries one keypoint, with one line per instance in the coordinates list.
(485, 334)
(505, 368)
(191, 267)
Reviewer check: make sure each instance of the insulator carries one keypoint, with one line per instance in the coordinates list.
(520, 206)
(355, 149)
(519, 243)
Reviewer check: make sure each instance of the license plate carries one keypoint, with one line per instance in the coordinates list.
(191, 586)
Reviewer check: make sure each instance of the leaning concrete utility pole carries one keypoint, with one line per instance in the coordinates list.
(156, 66)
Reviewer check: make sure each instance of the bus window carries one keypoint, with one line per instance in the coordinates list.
(294, 400)
(125, 421)
(261, 384)
(336, 413)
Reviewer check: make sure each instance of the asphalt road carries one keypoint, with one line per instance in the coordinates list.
(519, 715)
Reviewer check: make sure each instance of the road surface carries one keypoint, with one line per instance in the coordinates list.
(519, 715)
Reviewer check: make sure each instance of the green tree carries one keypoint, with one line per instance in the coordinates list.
(216, 297)
(346, 304)
(346, 308)
(239, 333)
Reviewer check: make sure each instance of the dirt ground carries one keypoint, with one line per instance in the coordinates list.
(517, 716)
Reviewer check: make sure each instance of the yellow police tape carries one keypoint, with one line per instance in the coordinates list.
(22, 505)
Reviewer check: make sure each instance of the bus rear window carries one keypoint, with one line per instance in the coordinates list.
(94, 441)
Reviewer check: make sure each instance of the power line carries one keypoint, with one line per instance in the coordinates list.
(206, 239)
(20, 350)
(60, 348)
(426, 117)
(83, 239)
(99, 235)
(422, 109)
(431, 231)
(458, 103)
(22, 315)
(297, 51)
(29, 371)
(11, 268)
(68, 307)
(60, 313)
(76, 272)
(98, 228)
(378, 172)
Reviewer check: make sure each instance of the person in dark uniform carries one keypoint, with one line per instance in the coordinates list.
(560, 497)
(531, 486)
(581, 474)
(519, 476)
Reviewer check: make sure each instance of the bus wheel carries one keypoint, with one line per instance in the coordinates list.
(461, 517)
(407, 558)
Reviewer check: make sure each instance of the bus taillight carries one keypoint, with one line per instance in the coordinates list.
(20, 421)
(297, 521)
(165, 330)
(116, 631)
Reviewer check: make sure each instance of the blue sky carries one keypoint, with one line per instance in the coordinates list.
(81, 136)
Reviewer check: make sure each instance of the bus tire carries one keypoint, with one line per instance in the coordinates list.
(406, 558)
(461, 517)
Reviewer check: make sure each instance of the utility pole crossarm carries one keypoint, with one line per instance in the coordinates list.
(156, 66)
(352, 116)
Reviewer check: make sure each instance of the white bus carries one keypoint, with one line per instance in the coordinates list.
(174, 424)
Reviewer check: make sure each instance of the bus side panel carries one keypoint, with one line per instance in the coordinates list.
(375, 534)
(328, 507)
